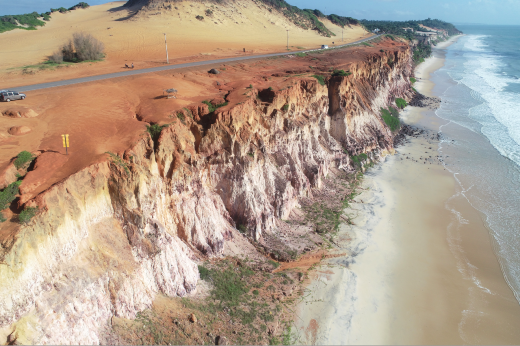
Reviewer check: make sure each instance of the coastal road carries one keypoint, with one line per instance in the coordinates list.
(165, 68)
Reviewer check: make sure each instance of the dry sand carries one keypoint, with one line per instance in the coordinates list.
(139, 38)
(421, 268)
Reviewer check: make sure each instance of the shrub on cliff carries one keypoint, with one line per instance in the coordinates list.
(8, 195)
(341, 73)
(401, 103)
(212, 107)
(155, 130)
(27, 214)
(23, 159)
(320, 79)
(392, 122)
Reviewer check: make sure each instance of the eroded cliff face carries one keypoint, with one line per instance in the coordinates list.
(111, 237)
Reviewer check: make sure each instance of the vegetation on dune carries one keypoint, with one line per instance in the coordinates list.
(27, 21)
(30, 21)
(82, 47)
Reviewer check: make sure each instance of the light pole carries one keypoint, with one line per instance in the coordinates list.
(166, 45)
(287, 38)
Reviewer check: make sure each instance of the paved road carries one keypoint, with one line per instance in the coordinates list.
(162, 68)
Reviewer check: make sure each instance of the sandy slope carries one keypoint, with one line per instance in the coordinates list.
(138, 38)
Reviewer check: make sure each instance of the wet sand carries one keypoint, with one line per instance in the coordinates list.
(421, 268)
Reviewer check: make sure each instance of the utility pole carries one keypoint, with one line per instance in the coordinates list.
(166, 45)
(287, 38)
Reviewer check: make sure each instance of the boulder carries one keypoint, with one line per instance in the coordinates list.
(214, 71)
(221, 340)
(19, 130)
(192, 318)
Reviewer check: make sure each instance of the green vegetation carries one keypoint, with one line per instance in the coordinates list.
(413, 80)
(274, 264)
(155, 129)
(359, 158)
(242, 228)
(367, 44)
(209, 12)
(301, 55)
(212, 107)
(421, 52)
(390, 120)
(320, 79)
(398, 28)
(27, 214)
(341, 73)
(305, 19)
(199, 17)
(82, 47)
(30, 21)
(285, 107)
(181, 117)
(401, 103)
(8, 195)
(116, 160)
(23, 159)
(204, 273)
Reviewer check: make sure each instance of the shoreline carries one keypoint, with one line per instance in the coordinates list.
(404, 280)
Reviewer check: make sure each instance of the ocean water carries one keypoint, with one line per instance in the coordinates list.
(482, 70)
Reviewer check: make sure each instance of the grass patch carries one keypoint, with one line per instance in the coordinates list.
(320, 79)
(274, 264)
(212, 107)
(23, 159)
(27, 214)
(367, 44)
(285, 107)
(301, 55)
(116, 160)
(204, 273)
(392, 122)
(341, 73)
(401, 103)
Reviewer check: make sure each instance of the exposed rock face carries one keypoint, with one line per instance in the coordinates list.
(112, 236)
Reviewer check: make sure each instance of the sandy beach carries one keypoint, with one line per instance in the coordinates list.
(421, 267)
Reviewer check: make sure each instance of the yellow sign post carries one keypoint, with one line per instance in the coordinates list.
(66, 143)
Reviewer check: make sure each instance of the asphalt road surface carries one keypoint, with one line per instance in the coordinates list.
(164, 68)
